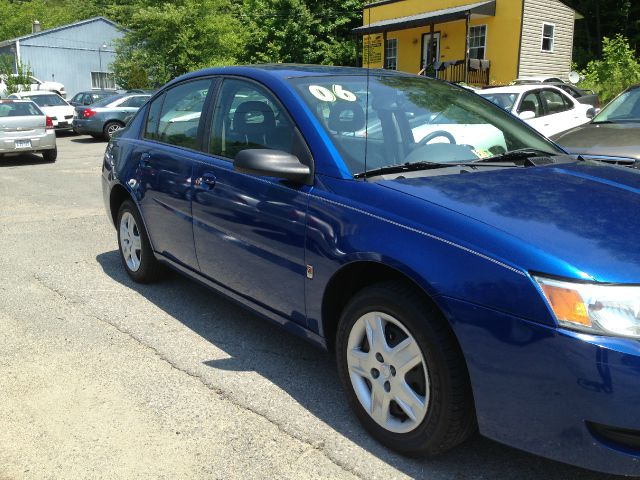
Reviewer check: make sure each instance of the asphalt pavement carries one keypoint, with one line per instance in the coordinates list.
(104, 378)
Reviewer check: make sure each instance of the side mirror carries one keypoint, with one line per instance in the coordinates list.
(272, 163)
(591, 112)
(527, 115)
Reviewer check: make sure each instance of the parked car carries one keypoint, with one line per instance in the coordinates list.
(457, 290)
(53, 105)
(613, 135)
(546, 108)
(90, 97)
(587, 97)
(35, 84)
(25, 128)
(107, 116)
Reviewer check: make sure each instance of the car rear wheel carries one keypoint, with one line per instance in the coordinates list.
(110, 128)
(135, 250)
(50, 155)
(403, 372)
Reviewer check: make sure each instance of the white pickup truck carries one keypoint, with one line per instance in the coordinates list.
(35, 84)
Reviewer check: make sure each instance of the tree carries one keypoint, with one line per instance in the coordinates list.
(15, 77)
(617, 70)
(173, 38)
(301, 31)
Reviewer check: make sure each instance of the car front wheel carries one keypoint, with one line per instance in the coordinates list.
(135, 249)
(403, 371)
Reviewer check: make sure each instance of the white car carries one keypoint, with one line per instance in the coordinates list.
(53, 105)
(36, 84)
(546, 108)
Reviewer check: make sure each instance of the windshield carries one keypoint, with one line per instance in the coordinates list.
(402, 120)
(52, 100)
(624, 108)
(504, 100)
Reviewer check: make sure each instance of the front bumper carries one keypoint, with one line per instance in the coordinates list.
(543, 389)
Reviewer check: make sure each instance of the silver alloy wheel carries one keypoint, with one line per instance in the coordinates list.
(113, 128)
(379, 372)
(130, 242)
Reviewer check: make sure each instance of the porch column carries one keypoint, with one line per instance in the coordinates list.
(466, 48)
(432, 43)
(384, 48)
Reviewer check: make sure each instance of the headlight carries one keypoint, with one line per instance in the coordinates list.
(595, 308)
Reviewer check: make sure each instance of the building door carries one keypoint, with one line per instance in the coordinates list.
(430, 50)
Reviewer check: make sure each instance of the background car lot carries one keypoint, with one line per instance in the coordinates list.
(172, 381)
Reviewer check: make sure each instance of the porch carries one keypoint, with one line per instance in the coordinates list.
(472, 69)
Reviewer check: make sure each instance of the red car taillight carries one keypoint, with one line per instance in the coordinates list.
(49, 124)
(88, 113)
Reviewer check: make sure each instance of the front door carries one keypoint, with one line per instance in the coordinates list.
(249, 231)
(430, 50)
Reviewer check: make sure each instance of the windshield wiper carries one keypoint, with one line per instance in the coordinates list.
(520, 154)
(412, 167)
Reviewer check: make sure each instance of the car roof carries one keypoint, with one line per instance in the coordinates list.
(535, 78)
(518, 88)
(15, 100)
(32, 93)
(288, 70)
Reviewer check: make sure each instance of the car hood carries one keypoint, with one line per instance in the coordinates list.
(607, 139)
(582, 215)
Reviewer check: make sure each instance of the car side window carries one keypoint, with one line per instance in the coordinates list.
(179, 117)
(554, 102)
(77, 98)
(248, 116)
(531, 103)
(151, 127)
(134, 102)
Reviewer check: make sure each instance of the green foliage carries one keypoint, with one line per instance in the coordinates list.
(617, 70)
(301, 31)
(18, 15)
(15, 79)
(173, 38)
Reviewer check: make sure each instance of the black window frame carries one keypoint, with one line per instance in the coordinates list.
(562, 96)
(537, 94)
(201, 139)
(309, 160)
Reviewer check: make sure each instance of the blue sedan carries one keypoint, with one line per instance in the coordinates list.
(467, 273)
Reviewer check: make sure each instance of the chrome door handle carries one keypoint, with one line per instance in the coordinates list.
(208, 180)
(144, 158)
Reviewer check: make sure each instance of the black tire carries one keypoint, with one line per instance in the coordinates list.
(110, 128)
(450, 415)
(50, 155)
(149, 269)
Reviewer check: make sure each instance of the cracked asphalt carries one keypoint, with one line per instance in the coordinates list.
(103, 378)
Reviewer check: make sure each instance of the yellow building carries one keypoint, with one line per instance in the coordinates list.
(488, 42)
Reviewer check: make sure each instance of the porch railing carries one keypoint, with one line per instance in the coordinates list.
(454, 71)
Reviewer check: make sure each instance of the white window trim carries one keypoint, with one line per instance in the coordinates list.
(553, 38)
(486, 34)
(384, 63)
(115, 87)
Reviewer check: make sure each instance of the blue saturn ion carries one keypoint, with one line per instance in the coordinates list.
(467, 273)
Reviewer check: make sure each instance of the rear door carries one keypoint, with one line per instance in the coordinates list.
(167, 155)
(561, 112)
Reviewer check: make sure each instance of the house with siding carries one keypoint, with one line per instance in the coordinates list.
(77, 55)
(488, 42)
